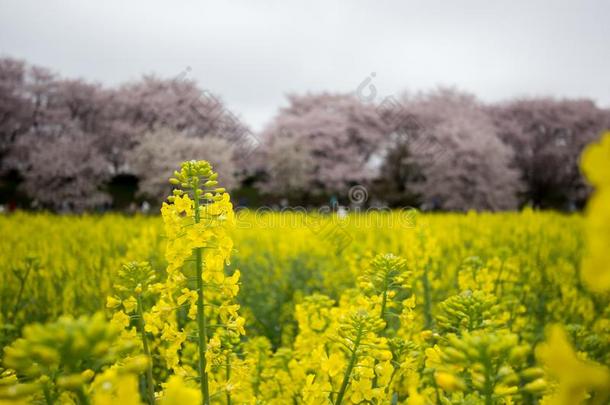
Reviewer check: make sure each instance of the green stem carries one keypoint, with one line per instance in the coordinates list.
(350, 367)
(150, 384)
(228, 376)
(22, 281)
(498, 278)
(82, 397)
(257, 376)
(488, 380)
(384, 300)
(47, 394)
(437, 392)
(201, 321)
(427, 299)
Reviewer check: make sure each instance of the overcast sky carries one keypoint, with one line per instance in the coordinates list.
(252, 53)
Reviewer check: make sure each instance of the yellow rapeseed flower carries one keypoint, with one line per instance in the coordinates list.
(596, 265)
(178, 393)
(576, 377)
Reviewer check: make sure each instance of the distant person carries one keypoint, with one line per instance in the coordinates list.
(333, 202)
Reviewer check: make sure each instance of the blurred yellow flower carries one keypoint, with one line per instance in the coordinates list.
(596, 263)
(178, 393)
(576, 377)
(448, 381)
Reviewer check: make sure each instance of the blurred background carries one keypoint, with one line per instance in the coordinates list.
(436, 105)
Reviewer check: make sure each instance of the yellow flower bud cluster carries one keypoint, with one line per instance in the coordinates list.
(469, 311)
(491, 363)
(65, 355)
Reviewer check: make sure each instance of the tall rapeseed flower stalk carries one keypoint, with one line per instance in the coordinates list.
(198, 218)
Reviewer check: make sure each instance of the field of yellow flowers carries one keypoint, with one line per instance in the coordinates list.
(207, 305)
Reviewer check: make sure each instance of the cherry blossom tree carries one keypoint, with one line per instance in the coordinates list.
(446, 149)
(155, 158)
(289, 164)
(331, 137)
(15, 107)
(440, 149)
(179, 104)
(61, 122)
(66, 173)
(548, 136)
